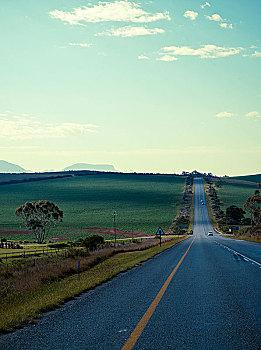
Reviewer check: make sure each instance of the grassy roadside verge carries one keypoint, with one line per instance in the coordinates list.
(191, 218)
(218, 229)
(244, 238)
(18, 310)
(211, 216)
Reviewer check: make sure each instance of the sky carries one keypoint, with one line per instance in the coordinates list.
(148, 86)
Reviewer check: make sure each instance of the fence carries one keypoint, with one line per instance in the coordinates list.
(26, 253)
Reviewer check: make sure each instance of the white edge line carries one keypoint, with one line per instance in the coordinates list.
(245, 257)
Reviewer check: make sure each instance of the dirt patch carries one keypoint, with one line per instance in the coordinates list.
(110, 232)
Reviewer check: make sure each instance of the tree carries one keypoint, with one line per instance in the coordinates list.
(253, 205)
(234, 214)
(39, 217)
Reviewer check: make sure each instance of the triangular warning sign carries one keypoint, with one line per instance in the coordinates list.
(160, 231)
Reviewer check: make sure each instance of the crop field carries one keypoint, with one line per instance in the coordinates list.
(235, 190)
(142, 203)
(250, 178)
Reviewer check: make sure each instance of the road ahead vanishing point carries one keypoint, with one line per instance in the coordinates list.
(204, 293)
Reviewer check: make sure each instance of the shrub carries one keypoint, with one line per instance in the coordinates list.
(8, 274)
(93, 242)
(74, 252)
(136, 240)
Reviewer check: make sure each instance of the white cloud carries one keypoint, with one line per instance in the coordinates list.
(117, 11)
(167, 58)
(224, 115)
(130, 31)
(226, 25)
(191, 15)
(204, 51)
(257, 54)
(255, 114)
(204, 5)
(215, 17)
(143, 57)
(80, 44)
(18, 127)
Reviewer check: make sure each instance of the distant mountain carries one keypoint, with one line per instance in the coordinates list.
(95, 167)
(6, 167)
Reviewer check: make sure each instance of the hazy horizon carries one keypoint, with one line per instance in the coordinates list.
(145, 86)
(131, 171)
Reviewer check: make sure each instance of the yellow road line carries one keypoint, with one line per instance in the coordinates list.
(132, 340)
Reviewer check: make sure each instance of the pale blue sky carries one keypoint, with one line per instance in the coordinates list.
(160, 86)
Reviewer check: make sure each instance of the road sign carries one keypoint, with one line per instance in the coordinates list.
(160, 231)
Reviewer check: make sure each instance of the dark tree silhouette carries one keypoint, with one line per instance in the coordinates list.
(39, 217)
(234, 214)
(253, 205)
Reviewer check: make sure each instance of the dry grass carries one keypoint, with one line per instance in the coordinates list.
(191, 217)
(245, 238)
(28, 293)
(211, 216)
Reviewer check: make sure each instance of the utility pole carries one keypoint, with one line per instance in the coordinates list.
(114, 225)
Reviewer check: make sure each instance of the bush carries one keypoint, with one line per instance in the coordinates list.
(74, 252)
(93, 242)
(7, 274)
(136, 240)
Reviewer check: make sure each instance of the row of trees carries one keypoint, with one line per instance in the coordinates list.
(235, 215)
(183, 217)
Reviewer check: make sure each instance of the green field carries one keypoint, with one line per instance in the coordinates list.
(251, 178)
(142, 202)
(235, 190)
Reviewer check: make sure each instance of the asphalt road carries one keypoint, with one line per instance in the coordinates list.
(212, 300)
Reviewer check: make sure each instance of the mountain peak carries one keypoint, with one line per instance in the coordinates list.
(86, 166)
(6, 167)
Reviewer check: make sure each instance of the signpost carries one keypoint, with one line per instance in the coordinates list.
(233, 228)
(114, 226)
(160, 232)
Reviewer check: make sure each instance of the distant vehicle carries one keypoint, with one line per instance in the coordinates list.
(210, 233)
(202, 203)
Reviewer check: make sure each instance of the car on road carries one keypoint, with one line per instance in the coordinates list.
(210, 233)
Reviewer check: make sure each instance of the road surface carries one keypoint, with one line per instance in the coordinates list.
(204, 293)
